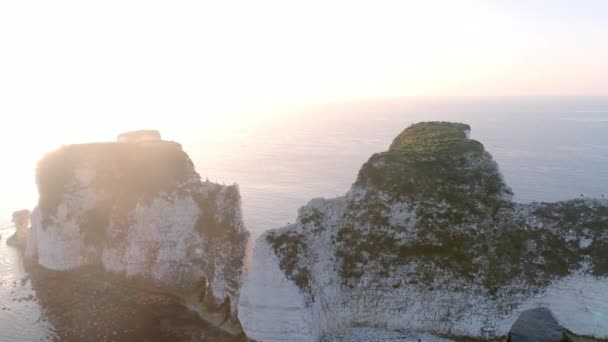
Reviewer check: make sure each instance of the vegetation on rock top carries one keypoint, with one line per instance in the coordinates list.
(436, 138)
(459, 221)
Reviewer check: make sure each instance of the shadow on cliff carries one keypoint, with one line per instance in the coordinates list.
(89, 305)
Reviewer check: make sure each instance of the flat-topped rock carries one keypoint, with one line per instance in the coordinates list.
(142, 212)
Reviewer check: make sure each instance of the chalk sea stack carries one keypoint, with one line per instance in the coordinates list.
(137, 208)
(21, 220)
(429, 240)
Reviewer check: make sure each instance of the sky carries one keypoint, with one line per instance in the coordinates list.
(76, 71)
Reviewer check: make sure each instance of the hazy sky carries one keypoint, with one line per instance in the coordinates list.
(119, 60)
(83, 70)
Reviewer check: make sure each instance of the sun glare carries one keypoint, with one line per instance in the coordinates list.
(80, 71)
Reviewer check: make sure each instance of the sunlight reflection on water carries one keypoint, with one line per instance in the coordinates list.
(21, 317)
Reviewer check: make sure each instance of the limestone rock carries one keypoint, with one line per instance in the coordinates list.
(428, 239)
(140, 210)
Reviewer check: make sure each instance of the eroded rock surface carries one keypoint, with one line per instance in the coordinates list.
(141, 211)
(21, 220)
(428, 239)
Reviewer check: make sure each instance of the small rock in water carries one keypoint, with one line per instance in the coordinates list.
(536, 325)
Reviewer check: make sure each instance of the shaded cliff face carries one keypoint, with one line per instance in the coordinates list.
(140, 210)
(428, 239)
(21, 219)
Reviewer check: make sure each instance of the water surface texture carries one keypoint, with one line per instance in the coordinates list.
(548, 149)
(21, 317)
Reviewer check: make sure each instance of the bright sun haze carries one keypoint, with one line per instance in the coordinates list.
(76, 71)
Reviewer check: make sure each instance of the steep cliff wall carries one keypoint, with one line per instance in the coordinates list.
(428, 240)
(141, 210)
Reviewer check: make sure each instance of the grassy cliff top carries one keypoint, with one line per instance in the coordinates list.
(435, 159)
(436, 137)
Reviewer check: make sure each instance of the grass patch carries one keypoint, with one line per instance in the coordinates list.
(436, 138)
(291, 248)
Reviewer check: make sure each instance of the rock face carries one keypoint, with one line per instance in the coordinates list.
(536, 325)
(428, 239)
(140, 210)
(21, 219)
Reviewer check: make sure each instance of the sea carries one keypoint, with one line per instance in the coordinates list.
(547, 148)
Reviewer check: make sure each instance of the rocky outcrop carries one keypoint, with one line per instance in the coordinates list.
(140, 210)
(429, 240)
(536, 325)
(21, 220)
(140, 136)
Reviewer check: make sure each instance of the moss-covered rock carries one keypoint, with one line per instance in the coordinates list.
(291, 249)
(429, 238)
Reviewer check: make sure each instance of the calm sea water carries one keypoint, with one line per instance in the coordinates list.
(548, 149)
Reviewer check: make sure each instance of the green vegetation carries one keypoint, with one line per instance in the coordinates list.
(460, 221)
(502, 249)
(313, 218)
(588, 220)
(225, 237)
(290, 247)
(465, 223)
(436, 138)
(447, 186)
(435, 161)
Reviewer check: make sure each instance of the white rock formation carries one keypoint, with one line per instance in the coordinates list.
(273, 307)
(428, 240)
(21, 220)
(140, 210)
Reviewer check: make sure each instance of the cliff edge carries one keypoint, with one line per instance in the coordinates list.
(140, 210)
(429, 240)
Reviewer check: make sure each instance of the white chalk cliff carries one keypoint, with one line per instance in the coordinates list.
(428, 240)
(140, 210)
